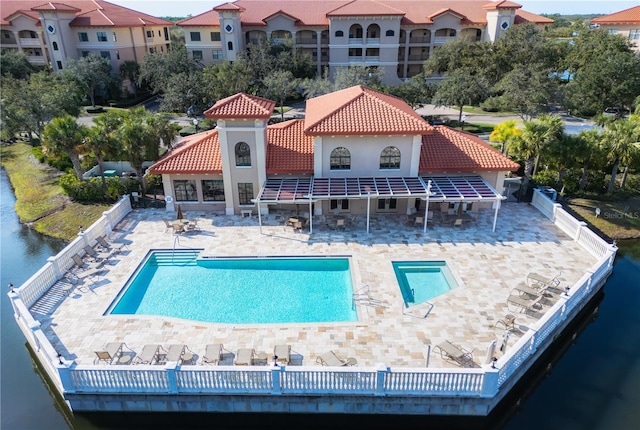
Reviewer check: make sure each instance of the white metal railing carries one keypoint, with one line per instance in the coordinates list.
(172, 379)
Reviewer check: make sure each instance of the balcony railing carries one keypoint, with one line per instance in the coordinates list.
(420, 57)
(306, 41)
(355, 41)
(442, 39)
(425, 39)
(37, 60)
(28, 41)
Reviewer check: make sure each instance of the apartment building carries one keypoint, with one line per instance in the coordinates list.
(394, 35)
(51, 33)
(625, 23)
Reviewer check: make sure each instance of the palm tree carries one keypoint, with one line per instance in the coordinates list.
(64, 135)
(131, 70)
(587, 145)
(505, 133)
(621, 141)
(102, 139)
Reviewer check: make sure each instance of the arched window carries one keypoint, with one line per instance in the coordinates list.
(340, 159)
(230, 46)
(390, 158)
(243, 154)
(55, 46)
(390, 33)
(339, 33)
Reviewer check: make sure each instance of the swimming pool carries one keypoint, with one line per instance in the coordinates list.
(420, 281)
(239, 290)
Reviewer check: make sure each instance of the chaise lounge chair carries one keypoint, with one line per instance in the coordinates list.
(541, 282)
(96, 255)
(114, 354)
(519, 303)
(213, 354)
(282, 354)
(451, 352)
(179, 353)
(150, 354)
(245, 357)
(110, 246)
(330, 358)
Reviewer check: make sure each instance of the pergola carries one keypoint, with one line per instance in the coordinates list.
(430, 189)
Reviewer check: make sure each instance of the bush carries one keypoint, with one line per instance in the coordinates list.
(595, 181)
(90, 191)
(491, 104)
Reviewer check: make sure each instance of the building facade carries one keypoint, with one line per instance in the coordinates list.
(625, 23)
(358, 151)
(394, 35)
(51, 33)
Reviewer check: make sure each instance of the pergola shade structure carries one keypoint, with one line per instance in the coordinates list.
(435, 189)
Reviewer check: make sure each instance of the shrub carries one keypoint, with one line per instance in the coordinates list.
(491, 104)
(90, 191)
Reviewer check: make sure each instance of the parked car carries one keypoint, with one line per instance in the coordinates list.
(615, 112)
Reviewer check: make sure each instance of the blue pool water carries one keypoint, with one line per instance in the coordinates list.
(421, 281)
(240, 291)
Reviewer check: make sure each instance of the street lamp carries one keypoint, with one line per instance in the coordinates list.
(195, 124)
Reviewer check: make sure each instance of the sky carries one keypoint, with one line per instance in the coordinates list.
(182, 8)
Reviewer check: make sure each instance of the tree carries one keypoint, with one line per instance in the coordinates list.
(130, 70)
(280, 86)
(505, 133)
(585, 150)
(157, 68)
(621, 142)
(225, 79)
(90, 73)
(65, 136)
(413, 91)
(317, 86)
(460, 88)
(183, 90)
(606, 73)
(102, 139)
(14, 64)
(346, 77)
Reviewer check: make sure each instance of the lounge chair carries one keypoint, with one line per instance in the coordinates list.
(245, 357)
(110, 246)
(542, 282)
(518, 303)
(282, 354)
(330, 358)
(508, 322)
(81, 264)
(213, 354)
(456, 353)
(179, 353)
(150, 354)
(96, 255)
(111, 352)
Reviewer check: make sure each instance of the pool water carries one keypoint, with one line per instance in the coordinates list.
(240, 291)
(420, 281)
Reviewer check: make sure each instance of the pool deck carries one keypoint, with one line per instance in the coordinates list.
(488, 265)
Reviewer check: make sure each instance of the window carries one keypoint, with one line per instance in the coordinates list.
(159, 34)
(166, 33)
(102, 36)
(634, 34)
(217, 54)
(215, 36)
(114, 37)
(390, 33)
(59, 63)
(185, 190)
(243, 154)
(195, 36)
(105, 54)
(213, 190)
(152, 50)
(117, 55)
(613, 31)
(387, 204)
(245, 193)
(7, 35)
(340, 159)
(197, 55)
(230, 46)
(84, 37)
(342, 204)
(390, 158)
(86, 53)
(339, 33)
(55, 46)
(150, 34)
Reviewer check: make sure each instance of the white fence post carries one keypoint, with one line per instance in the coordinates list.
(581, 226)
(65, 378)
(275, 378)
(381, 372)
(172, 380)
(490, 382)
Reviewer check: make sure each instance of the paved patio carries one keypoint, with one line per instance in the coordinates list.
(488, 264)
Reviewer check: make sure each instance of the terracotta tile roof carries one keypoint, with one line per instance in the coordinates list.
(361, 111)
(197, 154)
(449, 150)
(314, 13)
(503, 4)
(290, 150)
(443, 11)
(365, 8)
(241, 105)
(97, 13)
(206, 19)
(627, 16)
(523, 16)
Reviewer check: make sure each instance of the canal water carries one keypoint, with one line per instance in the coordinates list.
(593, 385)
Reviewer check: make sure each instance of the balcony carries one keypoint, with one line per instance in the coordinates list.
(306, 41)
(443, 39)
(355, 41)
(425, 39)
(420, 57)
(28, 41)
(37, 60)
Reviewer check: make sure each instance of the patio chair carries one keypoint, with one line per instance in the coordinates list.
(330, 358)
(179, 353)
(339, 223)
(150, 354)
(519, 303)
(452, 352)
(81, 264)
(282, 354)
(245, 357)
(96, 255)
(542, 282)
(111, 352)
(213, 354)
(508, 322)
(419, 221)
(458, 223)
(110, 246)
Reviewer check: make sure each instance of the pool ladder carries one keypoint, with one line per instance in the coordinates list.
(363, 296)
